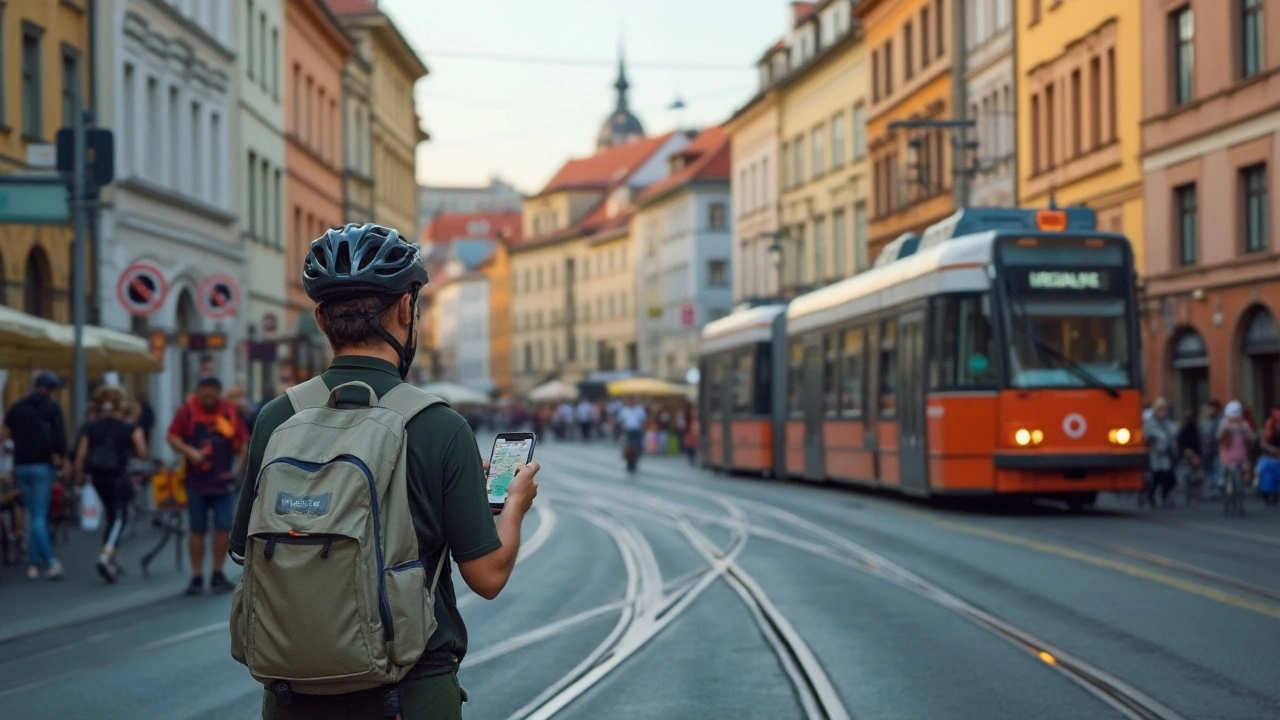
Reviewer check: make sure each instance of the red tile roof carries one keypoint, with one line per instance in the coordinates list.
(352, 7)
(707, 158)
(607, 168)
(802, 10)
(447, 227)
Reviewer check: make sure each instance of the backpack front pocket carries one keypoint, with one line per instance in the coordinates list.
(310, 610)
(237, 623)
(412, 613)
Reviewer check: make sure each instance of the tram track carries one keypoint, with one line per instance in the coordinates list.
(1127, 700)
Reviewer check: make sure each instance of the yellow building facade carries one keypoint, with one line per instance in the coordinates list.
(607, 309)
(823, 213)
(45, 66)
(543, 286)
(1079, 67)
(910, 46)
(394, 122)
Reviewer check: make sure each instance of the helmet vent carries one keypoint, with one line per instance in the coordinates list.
(342, 263)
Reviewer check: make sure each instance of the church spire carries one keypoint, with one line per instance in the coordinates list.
(622, 85)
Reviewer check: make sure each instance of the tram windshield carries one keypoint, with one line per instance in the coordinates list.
(1068, 316)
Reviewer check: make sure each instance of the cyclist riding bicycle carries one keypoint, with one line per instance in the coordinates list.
(1234, 438)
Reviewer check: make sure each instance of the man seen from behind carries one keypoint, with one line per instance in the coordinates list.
(39, 435)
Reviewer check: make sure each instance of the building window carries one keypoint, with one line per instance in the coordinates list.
(1035, 134)
(1253, 183)
(859, 131)
(1036, 11)
(1112, 120)
(253, 194)
(1095, 101)
(1187, 223)
(277, 232)
(819, 151)
(820, 267)
(797, 157)
(154, 127)
(197, 141)
(888, 68)
(297, 99)
(248, 28)
(70, 85)
(1050, 136)
(1251, 37)
(908, 59)
(718, 273)
(1077, 114)
(924, 36)
(942, 26)
(32, 116)
(875, 76)
(837, 141)
(786, 166)
(840, 253)
(275, 64)
(861, 231)
(1182, 32)
(262, 50)
(715, 218)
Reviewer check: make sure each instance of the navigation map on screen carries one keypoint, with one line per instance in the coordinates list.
(507, 454)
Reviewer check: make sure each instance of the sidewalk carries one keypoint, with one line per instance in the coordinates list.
(1260, 523)
(32, 606)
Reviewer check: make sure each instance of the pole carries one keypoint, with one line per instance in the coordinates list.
(959, 104)
(79, 210)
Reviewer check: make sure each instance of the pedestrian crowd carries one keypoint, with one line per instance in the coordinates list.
(1197, 453)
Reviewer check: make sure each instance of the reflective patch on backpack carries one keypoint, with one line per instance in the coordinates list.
(288, 504)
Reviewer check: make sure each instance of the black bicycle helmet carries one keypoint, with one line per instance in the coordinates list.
(359, 260)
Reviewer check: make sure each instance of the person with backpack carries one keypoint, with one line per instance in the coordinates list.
(209, 434)
(36, 426)
(103, 452)
(358, 488)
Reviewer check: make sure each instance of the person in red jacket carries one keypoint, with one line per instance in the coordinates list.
(210, 434)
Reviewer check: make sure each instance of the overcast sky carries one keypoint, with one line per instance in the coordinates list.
(521, 119)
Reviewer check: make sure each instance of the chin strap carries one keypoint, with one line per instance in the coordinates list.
(406, 353)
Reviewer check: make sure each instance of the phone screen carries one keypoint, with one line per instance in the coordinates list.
(508, 452)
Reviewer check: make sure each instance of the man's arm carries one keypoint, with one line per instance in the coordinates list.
(488, 575)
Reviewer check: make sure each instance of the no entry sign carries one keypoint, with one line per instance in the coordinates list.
(219, 297)
(141, 289)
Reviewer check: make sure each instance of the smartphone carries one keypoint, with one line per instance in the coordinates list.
(509, 451)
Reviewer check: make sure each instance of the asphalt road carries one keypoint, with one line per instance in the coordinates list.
(680, 594)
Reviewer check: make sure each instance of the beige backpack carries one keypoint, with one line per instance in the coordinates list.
(334, 597)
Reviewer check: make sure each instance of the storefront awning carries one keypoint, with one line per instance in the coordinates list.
(34, 343)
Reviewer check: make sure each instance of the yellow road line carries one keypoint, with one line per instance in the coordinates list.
(1187, 586)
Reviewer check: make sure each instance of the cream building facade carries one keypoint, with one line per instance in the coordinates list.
(168, 87)
(393, 122)
(357, 138)
(261, 161)
(608, 302)
(822, 114)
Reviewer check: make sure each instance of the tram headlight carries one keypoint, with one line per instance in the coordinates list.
(1026, 437)
(1120, 436)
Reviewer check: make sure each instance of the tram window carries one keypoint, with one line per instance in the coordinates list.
(744, 383)
(831, 374)
(715, 390)
(853, 366)
(795, 378)
(888, 368)
(962, 343)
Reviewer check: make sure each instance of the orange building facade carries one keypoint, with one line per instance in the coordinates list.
(909, 45)
(316, 51)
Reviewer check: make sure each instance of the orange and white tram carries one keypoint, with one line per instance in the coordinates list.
(1000, 357)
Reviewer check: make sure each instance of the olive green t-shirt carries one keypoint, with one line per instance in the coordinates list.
(447, 497)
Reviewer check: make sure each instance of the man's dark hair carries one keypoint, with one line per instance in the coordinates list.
(354, 323)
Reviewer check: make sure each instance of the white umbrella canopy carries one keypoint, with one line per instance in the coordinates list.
(27, 341)
(553, 391)
(456, 394)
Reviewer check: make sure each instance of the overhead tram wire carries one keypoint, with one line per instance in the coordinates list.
(581, 62)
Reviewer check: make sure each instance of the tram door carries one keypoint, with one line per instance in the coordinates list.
(811, 402)
(911, 422)
(728, 399)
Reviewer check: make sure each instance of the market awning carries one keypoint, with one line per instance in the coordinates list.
(553, 391)
(34, 343)
(651, 387)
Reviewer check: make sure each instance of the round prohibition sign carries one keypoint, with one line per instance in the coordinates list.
(1074, 426)
(219, 296)
(141, 289)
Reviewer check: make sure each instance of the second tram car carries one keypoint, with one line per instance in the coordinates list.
(1001, 357)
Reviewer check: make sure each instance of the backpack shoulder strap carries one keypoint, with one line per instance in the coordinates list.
(312, 393)
(409, 400)
(435, 579)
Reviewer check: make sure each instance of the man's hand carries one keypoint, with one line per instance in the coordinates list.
(523, 488)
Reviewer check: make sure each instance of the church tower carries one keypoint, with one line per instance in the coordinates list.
(621, 126)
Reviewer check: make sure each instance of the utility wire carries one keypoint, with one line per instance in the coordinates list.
(580, 62)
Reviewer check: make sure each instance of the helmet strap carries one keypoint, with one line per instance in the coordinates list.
(407, 350)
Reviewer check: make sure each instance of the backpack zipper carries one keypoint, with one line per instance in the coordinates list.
(324, 540)
(384, 607)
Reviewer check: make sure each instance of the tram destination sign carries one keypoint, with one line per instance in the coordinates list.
(1065, 281)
